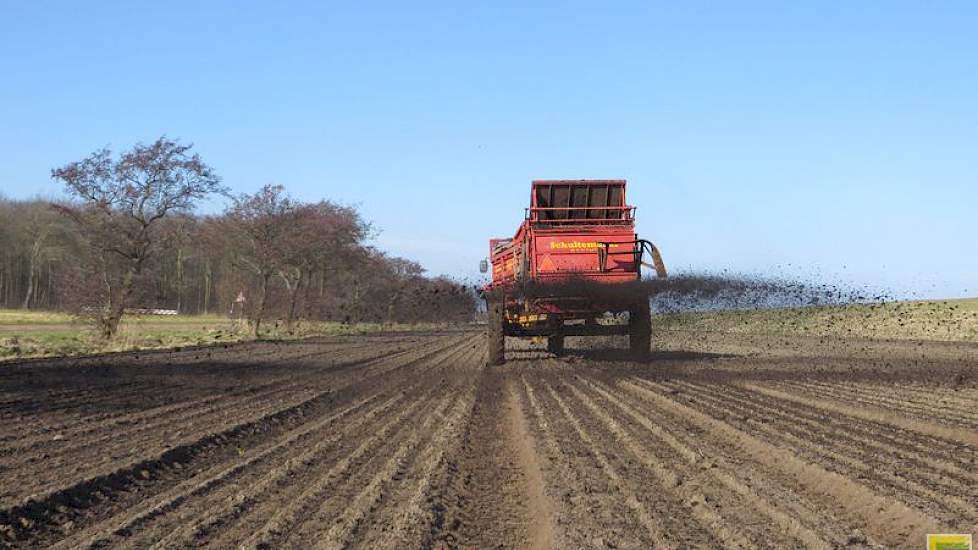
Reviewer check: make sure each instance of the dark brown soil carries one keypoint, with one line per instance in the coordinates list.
(410, 440)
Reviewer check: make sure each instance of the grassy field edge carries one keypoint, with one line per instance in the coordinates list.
(40, 334)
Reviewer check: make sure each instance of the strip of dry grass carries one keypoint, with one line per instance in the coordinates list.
(25, 334)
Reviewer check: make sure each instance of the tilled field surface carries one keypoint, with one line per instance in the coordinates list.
(410, 441)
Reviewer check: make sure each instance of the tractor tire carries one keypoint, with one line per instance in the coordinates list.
(497, 336)
(555, 344)
(640, 331)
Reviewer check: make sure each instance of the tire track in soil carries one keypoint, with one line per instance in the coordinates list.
(492, 493)
(540, 520)
(574, 498)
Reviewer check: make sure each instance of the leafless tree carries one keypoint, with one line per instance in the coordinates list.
(323, 267)
(322, 233)
(258, 227)
(33, 229)
(402, 274)
(119, 205)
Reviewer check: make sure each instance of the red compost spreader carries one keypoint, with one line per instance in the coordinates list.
(572, 269)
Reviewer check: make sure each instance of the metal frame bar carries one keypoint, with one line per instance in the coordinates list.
(566, 330)
(627, 215)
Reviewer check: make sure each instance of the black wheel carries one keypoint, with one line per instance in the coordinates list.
(497, 337)
(555, 344)
(640, 330)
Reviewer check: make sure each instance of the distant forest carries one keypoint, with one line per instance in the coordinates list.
(290, 260)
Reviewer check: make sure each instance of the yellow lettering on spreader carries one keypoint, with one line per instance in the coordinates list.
(580, 245)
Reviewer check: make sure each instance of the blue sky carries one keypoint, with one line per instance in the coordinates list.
(829, 141)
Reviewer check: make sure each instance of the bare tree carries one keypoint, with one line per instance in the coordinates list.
(34, 230)
(258, 227)
(402, 274)
(318, 264)
(119, 206)
(321, 233)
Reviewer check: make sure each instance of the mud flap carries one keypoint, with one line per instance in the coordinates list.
(640, 331)
(555, 344)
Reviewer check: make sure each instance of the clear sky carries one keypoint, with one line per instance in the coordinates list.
(837, 140)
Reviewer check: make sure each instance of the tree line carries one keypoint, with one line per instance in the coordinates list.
(127, 236)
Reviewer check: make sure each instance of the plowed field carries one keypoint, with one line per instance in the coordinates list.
(410, 441)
